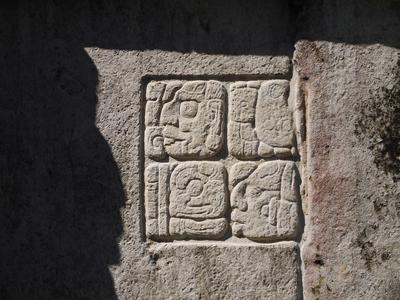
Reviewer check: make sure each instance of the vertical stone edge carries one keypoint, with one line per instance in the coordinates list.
(298, 104)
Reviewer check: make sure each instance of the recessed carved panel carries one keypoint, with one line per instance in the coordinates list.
(188, 191)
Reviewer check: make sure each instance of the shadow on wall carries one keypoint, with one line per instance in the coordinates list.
(60, 187)
(61, 190)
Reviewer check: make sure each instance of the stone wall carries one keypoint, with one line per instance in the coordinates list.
(200, 150)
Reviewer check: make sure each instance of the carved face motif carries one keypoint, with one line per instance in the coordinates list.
(256, 196)
(264, 203)
(193, 120)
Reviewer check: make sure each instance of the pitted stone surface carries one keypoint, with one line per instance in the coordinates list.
(264, 200)
(217, 270)
(352, 93)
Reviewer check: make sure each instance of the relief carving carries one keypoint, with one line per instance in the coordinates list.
(184, 119)
(264, 200)
(185, 200)
(261, 122)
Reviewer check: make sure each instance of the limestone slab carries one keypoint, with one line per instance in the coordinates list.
(352, 225)
(76, 143)
(223, 271)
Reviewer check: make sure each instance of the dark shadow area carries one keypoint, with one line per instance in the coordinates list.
(352, 22)
(217, 27)
(61, 191)
(60, 188)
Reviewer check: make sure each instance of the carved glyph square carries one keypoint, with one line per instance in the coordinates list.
(260, 122)
(184, 119)
(186, 200)
(264, 200)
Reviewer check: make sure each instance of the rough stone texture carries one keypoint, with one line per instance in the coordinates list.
(186, 189)
(352, 231)
(220, 271)
(73, 130)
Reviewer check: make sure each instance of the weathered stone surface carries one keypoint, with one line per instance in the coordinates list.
(264, 200)
(184, 119)
(273, 120)
(222, 271)
(198, 190)
(157, 191)
(261, 123)
(352, 210)
(154, 140)
(185, 200)
(75, 145)
(183, 228)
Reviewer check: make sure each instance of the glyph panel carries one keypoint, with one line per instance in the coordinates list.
(185, 200)
(188, 194)
(264, 200)
(184, 119)
(260, 121)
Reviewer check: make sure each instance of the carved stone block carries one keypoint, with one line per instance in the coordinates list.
(184, 119)
(264, 200)
(261, 123)
(185, 195)
(185, 200)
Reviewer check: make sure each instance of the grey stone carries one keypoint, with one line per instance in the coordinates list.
(261, 123)
(87, 154)
(351, 238)
(264, 201)
(222, 271)
(191, 115)
(182, 228)
(186, 200)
